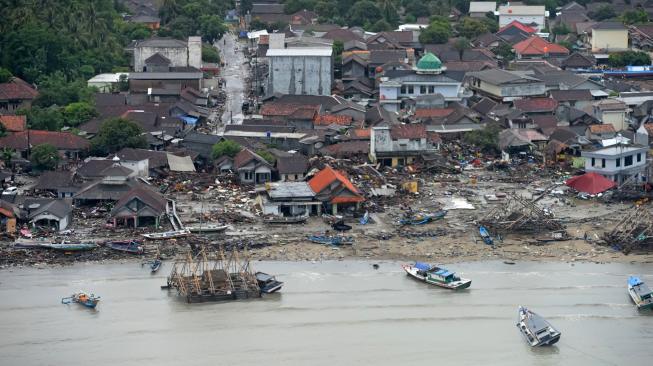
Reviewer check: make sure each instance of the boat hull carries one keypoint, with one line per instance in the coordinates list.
(642, 305)
(208, 229)
(458, 285)
(540, 335)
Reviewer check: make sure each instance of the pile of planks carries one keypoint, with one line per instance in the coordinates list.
(520, 215)
(633, 232)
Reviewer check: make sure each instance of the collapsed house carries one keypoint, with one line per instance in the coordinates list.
(520, 215)
(634, 232)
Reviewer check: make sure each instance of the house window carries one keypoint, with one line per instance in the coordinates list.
(431, 89)
(411, 90)
(592, 161)
(602, 163)
(403, 89)
(628, 160)
(639, 157)
(422, 89)
(248, 175)
(618, 162)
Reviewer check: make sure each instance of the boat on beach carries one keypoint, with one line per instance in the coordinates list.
(207, 228)
(82, 298)
(535, 329)
(132, 246)
(437, 276)
(421, 219)
(285, 220)
(30, 243)
(640, 293)
(268, 283)
(69, 247)
(155, 265)
(485, 235)
(167, 235)
(331, 240)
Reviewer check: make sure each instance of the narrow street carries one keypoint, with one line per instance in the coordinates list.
(234, 73)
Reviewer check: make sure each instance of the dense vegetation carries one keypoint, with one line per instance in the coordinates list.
(225, 147)
(45, 157)
(115, 134)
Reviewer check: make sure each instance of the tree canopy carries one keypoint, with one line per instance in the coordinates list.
(629, 58)
(45, 157)
(225, 147)
(471, 28)
(115, 134)
(438, 31)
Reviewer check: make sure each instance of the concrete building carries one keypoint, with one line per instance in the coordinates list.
(300, 71)
(106, 83)
(505, 85)
(179, 53)
(612, 111)
(609, 37)
(399, 145)
(618, 162)
(288, 199)
(478, 9)
(429, 77)
(531, 15)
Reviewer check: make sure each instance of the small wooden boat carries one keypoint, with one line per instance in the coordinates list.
(416, 220)
(167, 235)
(30, 243)
(365, 219)
(129, 246)
(535, 329)
(485, 235)
(90, 301)
(155, 265)
(331, 240)
(341, 226)
(268, 283)
(437, 276)
(207, 228)
(437, 215)
(285, 220)
(70, 247)
(640, 293)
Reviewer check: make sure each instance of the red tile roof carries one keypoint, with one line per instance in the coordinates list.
(411, 131)
(329, 119)
(14, 123)
(303, 111)
(433, 112)
(536, 104)
(361, 133)
(326, 177)
(17, 89)
(537, 46)
(519, 26)
(606, 128)
(60, 140)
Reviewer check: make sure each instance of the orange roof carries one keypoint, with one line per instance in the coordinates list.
(537, 46)
(14, 123)
(606, 128)
(518, 25)
(433, 112)
(329, 119)
(362, 132)
(326, 177)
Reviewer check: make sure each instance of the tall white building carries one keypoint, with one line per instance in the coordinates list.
(303, 70)
(179, 53)
(531, 15)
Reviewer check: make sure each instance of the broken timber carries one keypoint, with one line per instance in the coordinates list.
(520, 215)
(633, 232)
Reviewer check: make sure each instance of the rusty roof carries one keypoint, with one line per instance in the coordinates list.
(536, 105)
(17, 89)
(14, 123)
(327, 176)
(433, 112)
(329, 119)
(605, 128)
(299, 111)
(410, 131)
(60, 140)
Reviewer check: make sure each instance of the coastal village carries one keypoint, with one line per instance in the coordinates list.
(524, 134)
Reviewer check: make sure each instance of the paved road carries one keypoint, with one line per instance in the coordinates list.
(234, 73)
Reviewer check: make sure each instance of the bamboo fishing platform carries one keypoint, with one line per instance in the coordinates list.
(213, 276)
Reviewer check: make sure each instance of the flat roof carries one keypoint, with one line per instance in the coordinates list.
(300, 51)
(614, 150)
(280, 135)
(165, 75)
(107, 78)
(290, 189)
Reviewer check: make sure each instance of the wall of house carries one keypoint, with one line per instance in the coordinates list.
(178, 56)
(505, 19)
(308, 75)
(63, 222)
(380, 139)
(11, 106)
(449, 91)
(195, 52)
(292, 177)
(611, 170)
(615, 118)
(605, 40)
(353, 69)
(141, 86)
(141, 168)
(522, 90)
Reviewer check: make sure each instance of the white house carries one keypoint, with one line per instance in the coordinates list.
(179, 53)
(617, 162)
(612, 111)
(478, 9)
(106, 83)
(428, 78)
(533, 16)
(302, 70)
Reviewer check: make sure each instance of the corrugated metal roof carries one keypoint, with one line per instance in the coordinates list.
(301, 51)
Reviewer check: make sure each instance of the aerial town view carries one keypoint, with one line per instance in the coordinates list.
(326, 182)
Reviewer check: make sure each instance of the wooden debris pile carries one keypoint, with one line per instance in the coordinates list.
(520, 215)
(634, 232)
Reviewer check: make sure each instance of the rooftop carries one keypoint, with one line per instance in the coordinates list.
(282, 190)
(498, 77)
(522, 10)
(538, 46)
(300, 51)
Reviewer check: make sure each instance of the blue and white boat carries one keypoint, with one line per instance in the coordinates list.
(485, 235)
(267, 283)
(82, 298)
(535, 329)
(438, 276)
(640, 293)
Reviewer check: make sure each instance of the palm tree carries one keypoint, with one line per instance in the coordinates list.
(6, 155)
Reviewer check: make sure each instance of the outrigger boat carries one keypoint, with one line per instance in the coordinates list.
(421, 219)
(70, 247)
(285, 220)
(640, 293)
(485, 235)
(210, 228)
(331, 240)
(129, 246)
(536, 331)
(268, 283)
(90, 301)
(155, 265)
(435, 275)
(167, 235)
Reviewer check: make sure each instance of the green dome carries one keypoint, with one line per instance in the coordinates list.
(429, 62)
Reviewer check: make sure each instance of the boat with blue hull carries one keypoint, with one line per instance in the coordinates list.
(438, 276)
(155, 265)
(535, 329)
(640, 293)
(331, 240)
(129, 246)
(82, 298)
(485, 235)
(268, 283)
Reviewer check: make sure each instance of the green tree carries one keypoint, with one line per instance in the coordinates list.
(293, 6)
(58, 89)
(381, 26)
(471, 28)
(327, 9)
(389, 10)
(225, 147)
(5, 75)
(115, 134)
(77, 113)
(637, 16)
(487, 138)
(461, 45)
(629, 58)
(45, 157)
(604, 12)
(436, 32)
(416, 8)
(6, 154)
(123, 83)
(364, 12)
(504, 51)
(267, 156)
(39, 118)
(3, 130)
(212, 28)
(210, 54)
(561, 29)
